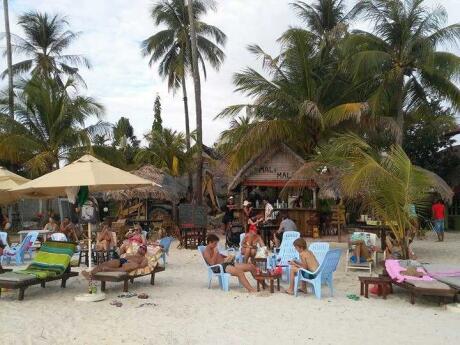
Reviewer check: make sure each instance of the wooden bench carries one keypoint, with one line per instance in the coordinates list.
(117, 277)
(384, 284)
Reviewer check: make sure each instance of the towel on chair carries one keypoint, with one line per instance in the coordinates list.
(51, 260)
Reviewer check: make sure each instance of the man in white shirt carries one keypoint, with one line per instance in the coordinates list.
(287, 224)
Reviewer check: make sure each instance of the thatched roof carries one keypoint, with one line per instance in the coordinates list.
(171, 189)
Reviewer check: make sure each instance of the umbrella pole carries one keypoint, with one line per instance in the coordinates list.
(90, 257)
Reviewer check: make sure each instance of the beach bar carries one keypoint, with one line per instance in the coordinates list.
(266, 176)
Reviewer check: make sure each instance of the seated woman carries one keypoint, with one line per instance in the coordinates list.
(104, 239)
(394, 250)
(362, 251)
(51, 226)
(250, 242)
(133, 237)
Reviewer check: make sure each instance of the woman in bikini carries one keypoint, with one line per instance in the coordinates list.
(251, 240)
(133, 238)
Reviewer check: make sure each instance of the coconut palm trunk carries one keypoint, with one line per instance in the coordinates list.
(187, 128)
(9, 59)
(197, 84)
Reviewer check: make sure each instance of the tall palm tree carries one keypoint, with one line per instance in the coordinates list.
(50, 121)
(172, 46)
(399, 62)
(44, 44)
(386, 183)
(9, 59)
(293, 104)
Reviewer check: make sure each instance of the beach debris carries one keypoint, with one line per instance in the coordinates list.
(127, 295)
(148, 304)
(353, 297)
(143, 296)
(116, 303)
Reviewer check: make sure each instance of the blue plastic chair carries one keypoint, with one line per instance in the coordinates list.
(324, 274)
(165, 242)
(4, 241)
(319, 249)
(17, 252)
(286, 252)
(224, 278)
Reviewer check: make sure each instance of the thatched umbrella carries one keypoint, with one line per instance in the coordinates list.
(171, 190)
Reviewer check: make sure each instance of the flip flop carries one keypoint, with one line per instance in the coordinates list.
(127, 295)
(289, 293)
(353, 297)
(116, 303)
(143, 296)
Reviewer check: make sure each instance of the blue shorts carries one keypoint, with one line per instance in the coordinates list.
(439, 226)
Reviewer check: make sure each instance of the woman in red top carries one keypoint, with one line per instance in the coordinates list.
(438, 209)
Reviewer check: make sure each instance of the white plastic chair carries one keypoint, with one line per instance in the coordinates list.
(59, 236)
(371, 240)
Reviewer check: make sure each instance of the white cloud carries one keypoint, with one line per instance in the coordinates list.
(123, 82)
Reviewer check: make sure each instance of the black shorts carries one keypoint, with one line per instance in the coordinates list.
(224, 266)
(123, 261)
(227, 219)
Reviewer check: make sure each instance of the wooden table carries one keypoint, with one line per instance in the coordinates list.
(383, 282)
(271, 278)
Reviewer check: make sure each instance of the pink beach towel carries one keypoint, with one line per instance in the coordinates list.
(394, 270)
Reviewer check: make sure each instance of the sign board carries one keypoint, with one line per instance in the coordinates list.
(193, 216)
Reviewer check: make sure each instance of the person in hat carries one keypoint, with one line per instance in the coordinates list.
(248, 212)
(127, 264)
(229, 209)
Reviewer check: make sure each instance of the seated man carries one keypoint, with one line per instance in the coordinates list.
(307, 261)
(213, 257)
(68, 229)
(127, 264)
(287, 224)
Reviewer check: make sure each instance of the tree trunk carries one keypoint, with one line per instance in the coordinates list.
(187, 129)
(197, 84)
(9, 60)
(400, 111)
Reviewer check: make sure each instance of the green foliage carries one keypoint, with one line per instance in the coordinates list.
(386, 183)
(50, 121)
(157, 120)
(426, 142)
(46, 39)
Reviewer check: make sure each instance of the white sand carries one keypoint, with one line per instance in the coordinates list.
(186, 312)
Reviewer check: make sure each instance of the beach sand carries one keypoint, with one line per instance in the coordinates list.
(184, 311)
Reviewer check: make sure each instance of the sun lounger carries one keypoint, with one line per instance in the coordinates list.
(51, 263)
(124, 277)
(424, 286)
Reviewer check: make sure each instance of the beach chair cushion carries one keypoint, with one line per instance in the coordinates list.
(16, 277)
(154, 254)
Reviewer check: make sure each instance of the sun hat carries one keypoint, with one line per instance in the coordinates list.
(246, 203)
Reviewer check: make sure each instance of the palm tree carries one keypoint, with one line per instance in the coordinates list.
(9, 59)
(172, 45)
(386, 183)
(399, 62)
(166, 150)
(46, 39)
(294, 103)
(50, 121)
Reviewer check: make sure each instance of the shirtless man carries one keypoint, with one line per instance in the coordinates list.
(68, 230)
(127, 264)
(307, 261)
(213, 257)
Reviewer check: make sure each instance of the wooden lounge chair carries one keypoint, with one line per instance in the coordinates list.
(23, 279)
(10, 280)
(124, 277)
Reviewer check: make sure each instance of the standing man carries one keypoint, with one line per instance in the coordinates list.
(438, 209)
(287, 224)
(229, 214)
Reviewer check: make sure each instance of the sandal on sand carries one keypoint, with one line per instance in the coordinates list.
(143, 296)
(305, 291)
(353, 297)
(127, 295)
(289, 292)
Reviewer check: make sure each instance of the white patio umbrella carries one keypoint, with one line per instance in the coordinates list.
(8, 181)
(86, 171)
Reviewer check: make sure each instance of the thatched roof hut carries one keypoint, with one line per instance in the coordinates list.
(171, 189)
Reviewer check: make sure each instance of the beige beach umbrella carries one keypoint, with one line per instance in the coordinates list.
(86, 171)
(8, 181)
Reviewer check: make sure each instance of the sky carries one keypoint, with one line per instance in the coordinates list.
(120, 78)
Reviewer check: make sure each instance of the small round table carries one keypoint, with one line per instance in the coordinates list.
(271, 278)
